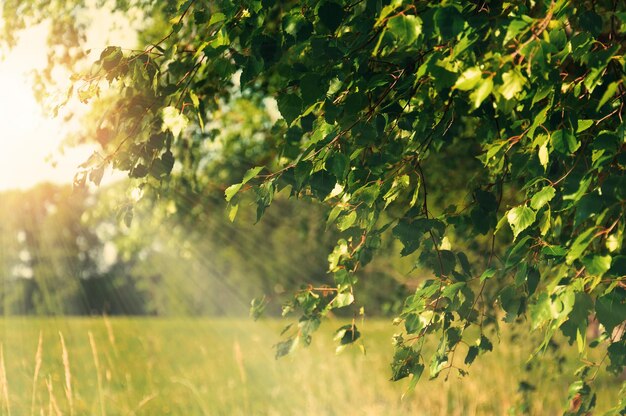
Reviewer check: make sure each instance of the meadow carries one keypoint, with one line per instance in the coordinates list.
(152, 366)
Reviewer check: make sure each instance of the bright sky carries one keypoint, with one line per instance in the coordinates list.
(29, 141)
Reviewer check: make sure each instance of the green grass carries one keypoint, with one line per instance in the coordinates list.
(226, 367)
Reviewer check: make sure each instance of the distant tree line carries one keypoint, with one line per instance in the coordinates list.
(68, 252)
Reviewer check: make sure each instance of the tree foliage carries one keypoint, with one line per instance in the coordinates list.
(372, 95)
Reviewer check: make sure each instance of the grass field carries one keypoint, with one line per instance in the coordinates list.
(128, 366)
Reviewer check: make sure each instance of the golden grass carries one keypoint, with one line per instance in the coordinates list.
(96, 362)
(4, 382)
(149, 366)
(38, 356)
(67, 373)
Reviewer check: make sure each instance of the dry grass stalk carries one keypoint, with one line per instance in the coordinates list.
(239, 361)
(38, 360)
(110, 334)
(242, 373)
(4, 382)
(68, 374)
(144, 401)
(53, 407)
(96, 362)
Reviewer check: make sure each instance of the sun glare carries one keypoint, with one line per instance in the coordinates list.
(30, 140)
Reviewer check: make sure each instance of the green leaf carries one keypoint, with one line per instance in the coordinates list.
(232, 212)
(308, 325)
(399, 185)
(579, 245)
(532, 280)
(540, 119)
(200, 17)
(542, 197)
(453, 336)
(465, 265)
(485, 344)
(510, 302)
(487, 274)
(409, 235)
(558, 38)
(540, 311)
(583, 185)
(366, 195)
(312, 88)
(611, 309)
(515, 28)
(110, 57)
(333, 214)
(513, 83)
(346, 221)
(448, 21)
(479, 95)
(584, 125)
(290, 107)
(608, 94)
(597, 265)
(618, 266)
(257, 307)
(545, 222)
(468, 79)
(343, 299)
(553, 251)
(162, 166)
(251, 173)
(301, 172)
(517, 252)
(437, 363)
(544, 156)
(617, 355)
(138, 171)
(95, 175)
(410, 232)
(285, 347)
(322, 184)
(216, 18)
(347, 334)
(232, 190)
(405, 28)
(331, 15)
(612, 243)
(127, 216)
(337, 164)
(564, 141)
(405, 362)
(472, 353)
(486, 200)
(174, 120)
(412, 323)
(520, 218)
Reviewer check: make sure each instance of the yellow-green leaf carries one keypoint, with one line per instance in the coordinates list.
(520, 218)
(468, 79)
(513, 83)
(482, 92)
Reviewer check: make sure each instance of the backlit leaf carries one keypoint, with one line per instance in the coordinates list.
(513, 83)
(520, 218)
(468, 79)
(542, 197)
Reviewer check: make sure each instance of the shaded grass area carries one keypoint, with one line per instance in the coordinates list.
(148, 366)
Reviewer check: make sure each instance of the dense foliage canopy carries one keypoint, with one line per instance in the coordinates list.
(382, 105)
